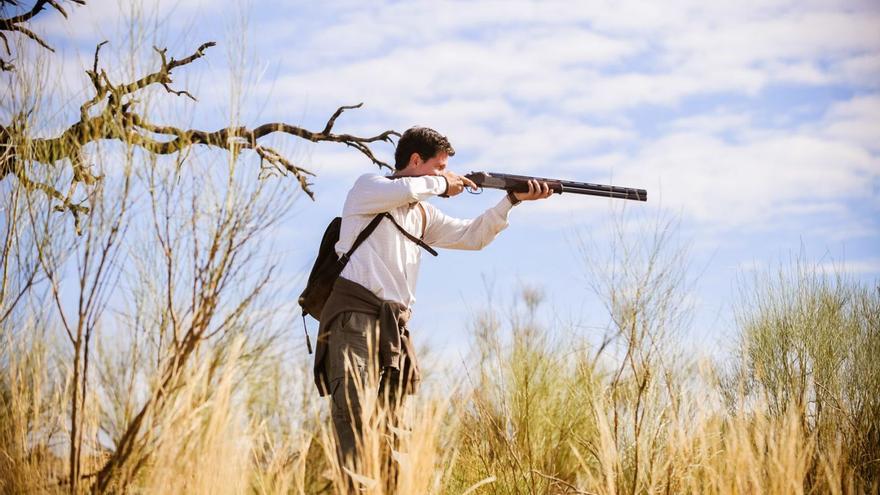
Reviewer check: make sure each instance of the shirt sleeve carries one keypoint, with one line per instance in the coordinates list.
(373, 193)
(454, 233)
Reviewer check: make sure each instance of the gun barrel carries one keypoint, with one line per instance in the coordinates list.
(518, 182)
(620, 193)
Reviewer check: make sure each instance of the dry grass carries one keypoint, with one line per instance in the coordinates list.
(540, 419)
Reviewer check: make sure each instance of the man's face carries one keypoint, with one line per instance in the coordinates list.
(432, 166)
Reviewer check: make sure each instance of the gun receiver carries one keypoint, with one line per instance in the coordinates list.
(520, 183)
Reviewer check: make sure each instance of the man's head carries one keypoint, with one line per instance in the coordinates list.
(422, 151)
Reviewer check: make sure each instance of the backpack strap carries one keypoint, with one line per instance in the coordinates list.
(411, 237)
(375, 223)
(362, 237)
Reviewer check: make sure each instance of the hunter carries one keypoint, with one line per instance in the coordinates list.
(365, 318)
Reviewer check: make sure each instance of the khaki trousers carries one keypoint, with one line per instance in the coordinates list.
(351, 365)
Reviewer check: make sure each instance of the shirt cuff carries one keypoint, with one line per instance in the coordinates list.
(436, 184)
(503, 207)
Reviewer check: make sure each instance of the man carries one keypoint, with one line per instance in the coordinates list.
(363, 324)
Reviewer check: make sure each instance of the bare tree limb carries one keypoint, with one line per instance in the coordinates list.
(117, 121)
(14, 24)
(65, 204)
(36, 9)
(30, 34)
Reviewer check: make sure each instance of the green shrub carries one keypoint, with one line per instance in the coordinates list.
(811, 340)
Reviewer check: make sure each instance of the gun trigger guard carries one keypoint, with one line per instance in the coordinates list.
(479, 190)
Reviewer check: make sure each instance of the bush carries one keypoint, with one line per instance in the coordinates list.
(811, 340)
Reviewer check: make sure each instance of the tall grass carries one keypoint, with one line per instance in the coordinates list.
(527, 405)
(810, 343)
(544, 411)
(631, 414)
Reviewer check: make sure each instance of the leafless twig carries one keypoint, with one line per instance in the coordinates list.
(16, 24)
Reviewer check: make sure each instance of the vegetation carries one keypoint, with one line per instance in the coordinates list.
(142, 348)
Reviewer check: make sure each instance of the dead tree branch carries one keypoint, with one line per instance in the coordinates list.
(15, 24)
(109, 115)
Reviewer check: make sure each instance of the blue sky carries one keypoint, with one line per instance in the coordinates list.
(755, 123)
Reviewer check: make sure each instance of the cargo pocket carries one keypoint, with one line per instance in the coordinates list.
(353, 333)
(346, 407)
(337, 399)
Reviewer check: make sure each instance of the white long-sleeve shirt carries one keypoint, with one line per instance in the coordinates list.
(387, 263)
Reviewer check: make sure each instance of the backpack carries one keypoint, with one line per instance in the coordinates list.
(328, 265)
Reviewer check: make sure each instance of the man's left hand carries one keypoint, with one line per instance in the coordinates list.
(537, 190)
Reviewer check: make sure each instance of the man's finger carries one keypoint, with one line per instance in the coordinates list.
(469, 183)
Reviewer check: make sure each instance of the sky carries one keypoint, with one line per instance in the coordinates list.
(754, 126)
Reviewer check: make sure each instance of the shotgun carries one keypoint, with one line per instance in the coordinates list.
(520, 183)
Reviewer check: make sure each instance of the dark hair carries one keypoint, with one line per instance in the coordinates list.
(422, 140)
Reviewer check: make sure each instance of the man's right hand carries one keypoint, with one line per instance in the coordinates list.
(455, 183)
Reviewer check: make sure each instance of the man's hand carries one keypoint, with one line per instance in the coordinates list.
(455, 183)
(537, 190)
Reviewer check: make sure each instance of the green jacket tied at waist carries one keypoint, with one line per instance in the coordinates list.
(394, 345)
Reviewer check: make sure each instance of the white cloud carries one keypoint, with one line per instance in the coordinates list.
(717, 122)
(865, 266)
(547, 55)
(856, 120)
(100, 19)
(859, 69)
(749, 183)
(523, 99)
(544, 88)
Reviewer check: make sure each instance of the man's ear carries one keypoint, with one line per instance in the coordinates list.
(414, 159)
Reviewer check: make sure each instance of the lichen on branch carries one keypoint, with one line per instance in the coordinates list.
(110, 115)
